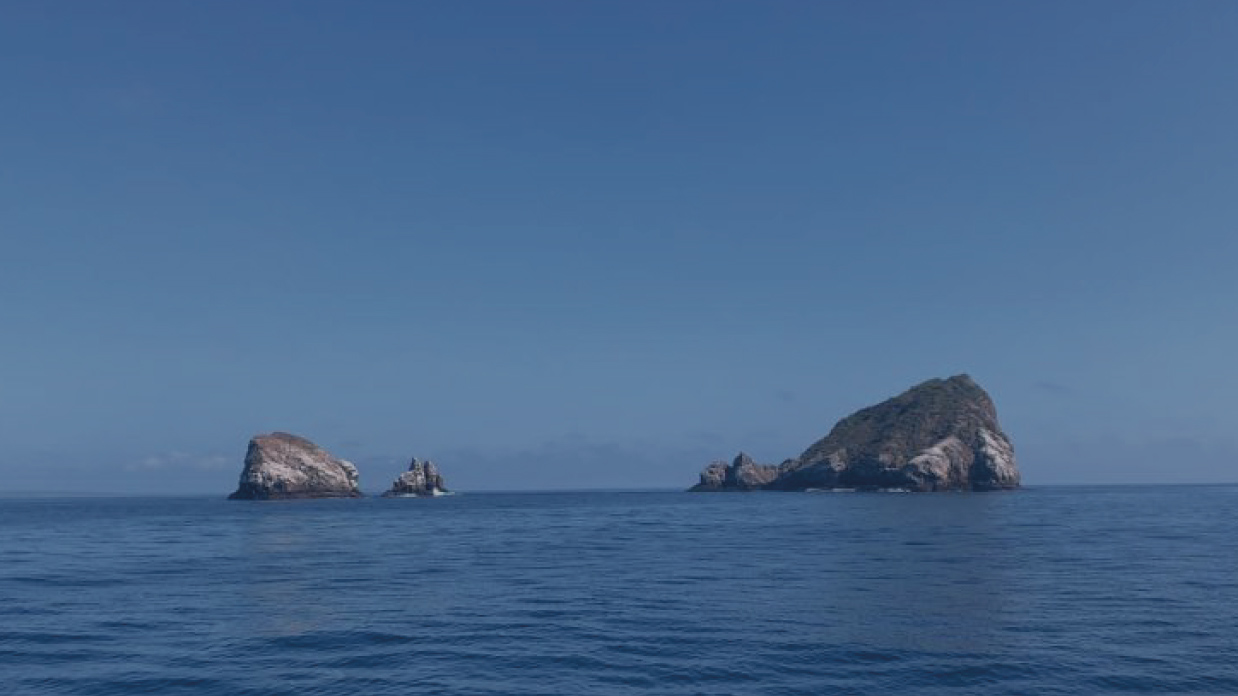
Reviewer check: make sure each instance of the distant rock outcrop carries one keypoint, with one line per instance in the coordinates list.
(421, 479)
(742, 474)
(941, 435)
(281, 465)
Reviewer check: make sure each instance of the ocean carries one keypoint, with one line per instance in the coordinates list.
(1071, 590)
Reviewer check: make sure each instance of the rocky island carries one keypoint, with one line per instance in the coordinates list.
(280, 466)
(941, 435)
(421, 480)
(742, 474)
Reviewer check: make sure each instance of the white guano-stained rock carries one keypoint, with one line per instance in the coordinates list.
(281, 466)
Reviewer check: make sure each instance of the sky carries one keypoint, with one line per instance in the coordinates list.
(597, 245)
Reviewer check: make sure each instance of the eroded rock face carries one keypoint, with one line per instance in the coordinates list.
(281, 465)
(742, 474)
(421, 479)
(941, 435)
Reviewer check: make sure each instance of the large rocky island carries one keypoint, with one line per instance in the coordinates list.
(280, 465)
(421, 480)
(941, 435)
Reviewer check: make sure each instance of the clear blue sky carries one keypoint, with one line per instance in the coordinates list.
(598, 244)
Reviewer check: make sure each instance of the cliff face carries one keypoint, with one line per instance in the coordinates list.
(421, 479)
(941, 435)
(281, 465)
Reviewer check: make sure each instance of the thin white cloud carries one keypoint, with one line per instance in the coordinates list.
(180, 461)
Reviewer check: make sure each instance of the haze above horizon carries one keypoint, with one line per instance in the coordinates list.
(597, 245)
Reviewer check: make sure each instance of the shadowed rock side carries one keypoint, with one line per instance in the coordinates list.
(421, 479)
(941, 435)
(281, 465)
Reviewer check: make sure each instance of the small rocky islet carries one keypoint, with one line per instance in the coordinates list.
(940, 435)
(280, 466)
(421, 480)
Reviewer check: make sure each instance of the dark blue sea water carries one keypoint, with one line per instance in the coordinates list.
(1041, 591)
